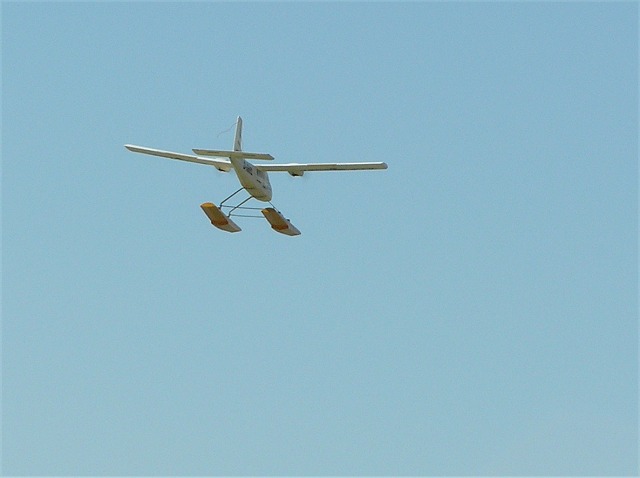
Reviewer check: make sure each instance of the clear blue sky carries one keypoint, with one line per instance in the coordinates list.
(472, 310)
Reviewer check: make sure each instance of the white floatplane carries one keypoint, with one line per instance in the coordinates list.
(252, 177)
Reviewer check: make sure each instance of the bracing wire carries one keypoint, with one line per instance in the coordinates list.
(245, 215)
(243, 207)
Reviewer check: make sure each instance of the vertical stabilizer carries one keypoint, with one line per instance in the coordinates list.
(237, 145)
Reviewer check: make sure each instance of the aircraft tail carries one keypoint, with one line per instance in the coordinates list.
(237, 145)
(237, 148)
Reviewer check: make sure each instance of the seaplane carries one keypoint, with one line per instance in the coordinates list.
(253, 178)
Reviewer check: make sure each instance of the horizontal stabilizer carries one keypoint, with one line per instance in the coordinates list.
(218, 218)
(233, 154)
(224, 166)
(279, 223)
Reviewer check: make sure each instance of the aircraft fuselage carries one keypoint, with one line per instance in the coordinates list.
(255, 181)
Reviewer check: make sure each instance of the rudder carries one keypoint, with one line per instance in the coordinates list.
(237, 144)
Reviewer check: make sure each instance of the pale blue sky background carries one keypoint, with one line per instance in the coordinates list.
(470, 311)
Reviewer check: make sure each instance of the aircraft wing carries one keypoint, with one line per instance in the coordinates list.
(297, 169)
(224, 166)
(228, 154)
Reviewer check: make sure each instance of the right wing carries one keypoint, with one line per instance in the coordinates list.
(220, 165)
(296, 169)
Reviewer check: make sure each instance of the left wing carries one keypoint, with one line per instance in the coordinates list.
(224, 166)
(298, 169)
